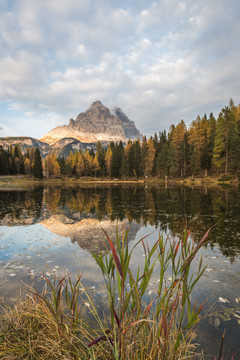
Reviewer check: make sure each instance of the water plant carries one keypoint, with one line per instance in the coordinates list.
(161, 329)
(64, 323)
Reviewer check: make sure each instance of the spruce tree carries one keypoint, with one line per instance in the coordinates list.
(101, 158)
(4, 166)
(205, 159)
(37, 165)
(234, 149)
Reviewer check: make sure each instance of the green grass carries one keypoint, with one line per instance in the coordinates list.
(56, 324)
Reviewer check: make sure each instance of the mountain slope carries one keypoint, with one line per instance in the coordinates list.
(25, 142)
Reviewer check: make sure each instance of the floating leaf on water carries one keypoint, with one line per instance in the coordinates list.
(12, 274)
(57, 267)
(87, 304)
(223, 300)
(237, 316)
(49, 261)
(169, 279)
(213, 257)
(216, 281)
(216, 322)
(208, 269)
(237, 300)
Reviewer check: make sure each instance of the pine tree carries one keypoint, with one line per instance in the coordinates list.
(193, 160)
(4, 166)
(37, 165)
(205, 159)
(143, 155)
(114, 168)
(137, 158)
(234, 149)
(62, 163)
(162, 161)
(177, 136)
(123, 170)
(129, 152)
(88, 163)
(101, 158)
(221, 147)
(172, 160)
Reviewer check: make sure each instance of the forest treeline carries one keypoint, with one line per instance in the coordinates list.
(209, 146)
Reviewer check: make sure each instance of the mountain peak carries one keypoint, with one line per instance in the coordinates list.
(96, 124)
(95, 104)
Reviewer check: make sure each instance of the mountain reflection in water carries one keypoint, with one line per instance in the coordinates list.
(167, 209)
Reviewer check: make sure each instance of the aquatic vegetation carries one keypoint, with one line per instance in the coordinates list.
(64, 322)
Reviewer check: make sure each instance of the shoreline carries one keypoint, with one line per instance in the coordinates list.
(25, 180)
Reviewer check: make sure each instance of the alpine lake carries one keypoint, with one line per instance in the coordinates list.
(52, 230)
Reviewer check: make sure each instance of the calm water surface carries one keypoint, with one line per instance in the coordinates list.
(53, 230)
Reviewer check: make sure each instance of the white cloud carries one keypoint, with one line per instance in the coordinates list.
(159, 61)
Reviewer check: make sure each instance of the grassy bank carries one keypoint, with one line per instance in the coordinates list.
(24, 180)
(64, 323)
(7, 181)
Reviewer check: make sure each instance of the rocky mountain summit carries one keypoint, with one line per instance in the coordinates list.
(95, 124)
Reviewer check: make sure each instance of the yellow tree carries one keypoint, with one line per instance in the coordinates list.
(27, 166)
(95, 165)
(149, 159)
(51, 165)
(108, 160)
(199, 134)
(79, 163)
(70, 162)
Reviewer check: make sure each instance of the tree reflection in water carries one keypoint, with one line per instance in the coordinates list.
(167, 209)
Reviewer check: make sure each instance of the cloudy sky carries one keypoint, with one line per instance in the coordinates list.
(160, 61)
